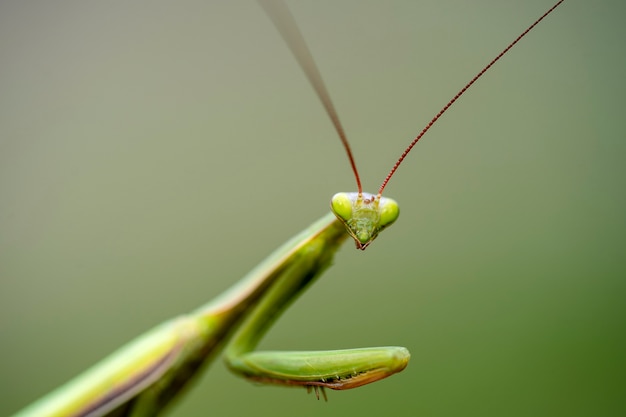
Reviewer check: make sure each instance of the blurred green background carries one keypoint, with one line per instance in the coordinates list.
(151, 153)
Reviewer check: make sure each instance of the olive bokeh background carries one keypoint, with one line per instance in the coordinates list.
(151, 153)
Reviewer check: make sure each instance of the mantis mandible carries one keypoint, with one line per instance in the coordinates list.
(144, 376)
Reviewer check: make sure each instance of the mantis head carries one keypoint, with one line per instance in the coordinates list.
(364, 215)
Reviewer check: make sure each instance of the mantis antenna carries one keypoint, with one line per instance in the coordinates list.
(364, 215)
(459, 94)
(288, 29)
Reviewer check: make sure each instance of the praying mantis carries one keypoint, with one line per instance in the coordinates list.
(399, 355)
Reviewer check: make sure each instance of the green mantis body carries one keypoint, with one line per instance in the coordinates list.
(143, 377)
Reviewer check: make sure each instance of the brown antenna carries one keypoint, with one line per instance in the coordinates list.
(456, 97)
(286, 25)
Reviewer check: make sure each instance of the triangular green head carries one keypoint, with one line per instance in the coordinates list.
(364, 215)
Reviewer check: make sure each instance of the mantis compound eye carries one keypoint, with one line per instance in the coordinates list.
(389, 211)
(341, 205)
